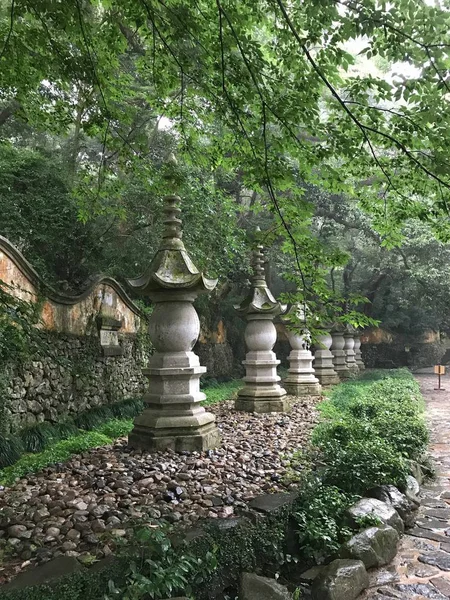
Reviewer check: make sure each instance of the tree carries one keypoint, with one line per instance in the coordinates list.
(257, 88)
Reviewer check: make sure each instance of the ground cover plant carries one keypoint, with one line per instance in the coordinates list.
(370, 429)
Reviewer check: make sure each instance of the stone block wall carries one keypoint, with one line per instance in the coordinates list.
(71, 376)
(94, 346)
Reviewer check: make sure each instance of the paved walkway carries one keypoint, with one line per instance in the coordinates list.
(421, 569)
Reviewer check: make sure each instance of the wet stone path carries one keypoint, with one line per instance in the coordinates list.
(421, 569)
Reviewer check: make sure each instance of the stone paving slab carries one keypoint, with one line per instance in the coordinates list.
(421, 569)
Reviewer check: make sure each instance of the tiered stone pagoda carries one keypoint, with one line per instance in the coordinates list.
(323, 359)
(173, 417)
(301, 379)
(349, 351)
(339, 354)
(357, 349)
(262, 392)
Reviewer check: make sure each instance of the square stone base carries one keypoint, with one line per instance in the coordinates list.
(327, 379)
(302, 389)
(262, 405)
(177, 439)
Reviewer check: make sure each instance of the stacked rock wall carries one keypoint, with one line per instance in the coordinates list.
(94, 346)
(71, 376)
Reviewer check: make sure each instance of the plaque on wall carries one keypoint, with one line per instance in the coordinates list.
(109, 337)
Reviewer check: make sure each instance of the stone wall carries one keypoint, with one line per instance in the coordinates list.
(94, 346)
(71, 377)
(385, 350)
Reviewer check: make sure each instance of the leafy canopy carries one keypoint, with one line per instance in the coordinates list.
(269, 89)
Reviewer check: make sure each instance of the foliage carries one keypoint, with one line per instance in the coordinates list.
(157, 569)
(369, 431)
(261, 99)
(159, 561)
(216, 393)
(116, 428)
(320, 516)
(11, 450)
(38, 437)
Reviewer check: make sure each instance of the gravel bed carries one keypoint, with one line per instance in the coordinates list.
(81, 507)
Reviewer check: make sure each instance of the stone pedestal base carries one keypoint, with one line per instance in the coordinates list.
(190, 439)
(173, 417)
(261, 392)
(323, 362)
(340, 364)
(262, 405)
(327, 379)
(302, 389)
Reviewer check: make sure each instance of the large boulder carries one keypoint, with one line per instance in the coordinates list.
(371, 507)
(406, 508)
(375, 546)
(254, 587)
(342, 579)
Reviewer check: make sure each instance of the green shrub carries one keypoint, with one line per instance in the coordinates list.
(320, 515)
(116, 428)
(38, 437)
(66, 429)
(220, 392)
(93, 418)
(361, 464)
(10, 450)
(128, 409)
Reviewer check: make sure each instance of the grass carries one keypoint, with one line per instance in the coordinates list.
(220, 392)
(51, 444)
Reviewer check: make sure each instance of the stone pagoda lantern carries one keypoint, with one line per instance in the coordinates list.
(357, 349)
(323, 359)
(339, 354)
(173, 417)
(350, 351)
(262, 392)
(301, 379)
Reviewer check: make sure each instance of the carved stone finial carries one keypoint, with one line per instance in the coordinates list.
(171, 221)
(259, 276)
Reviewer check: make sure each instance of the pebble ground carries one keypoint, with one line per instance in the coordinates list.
(81, 507)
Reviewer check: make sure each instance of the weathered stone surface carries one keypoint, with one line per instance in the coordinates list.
(254, 587)
(269, 503)
(412, 485)
(381, 577)
(391, 495)
(262, 392)
(173, 417)
(340, 580)
(442, 584)
(426, 534)
(438, 558)
(62, 565)
(375, 546)
(373, 507)
(423, 590)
